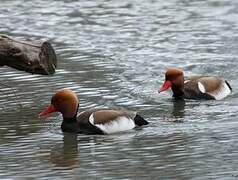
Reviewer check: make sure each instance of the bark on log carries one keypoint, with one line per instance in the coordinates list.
(36, 57)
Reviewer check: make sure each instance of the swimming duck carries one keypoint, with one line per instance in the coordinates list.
(195, 87)
(91, 121)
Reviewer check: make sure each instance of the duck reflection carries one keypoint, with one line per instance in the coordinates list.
(178, 108)
(66, 154)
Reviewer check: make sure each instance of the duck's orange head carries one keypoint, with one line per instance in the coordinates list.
(173, 77)
(64, 101)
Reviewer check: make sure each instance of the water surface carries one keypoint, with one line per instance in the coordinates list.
(114, 54)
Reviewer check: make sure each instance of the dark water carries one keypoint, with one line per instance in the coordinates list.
(114, 54)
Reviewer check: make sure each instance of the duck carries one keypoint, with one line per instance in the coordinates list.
(90, 121)
(195, 87)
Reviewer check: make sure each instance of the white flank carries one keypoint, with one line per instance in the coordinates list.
(201, 87)
(121, 123)
(222, 92)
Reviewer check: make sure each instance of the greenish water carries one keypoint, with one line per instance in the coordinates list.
(114, 54)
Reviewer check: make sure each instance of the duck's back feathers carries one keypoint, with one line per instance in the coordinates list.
(110, 121)
(206, 87)
(106, 116)
(84, 126)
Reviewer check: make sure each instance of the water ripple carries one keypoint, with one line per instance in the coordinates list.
(114, 54)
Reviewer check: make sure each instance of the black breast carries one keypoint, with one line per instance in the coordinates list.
(76, 126)
(69, 125)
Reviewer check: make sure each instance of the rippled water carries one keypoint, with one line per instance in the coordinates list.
(114, 54)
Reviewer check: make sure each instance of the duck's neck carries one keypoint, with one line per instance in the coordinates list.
(70, 124)
(178, 91)
(71, 119)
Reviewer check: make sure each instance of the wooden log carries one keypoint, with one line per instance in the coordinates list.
(36, 57)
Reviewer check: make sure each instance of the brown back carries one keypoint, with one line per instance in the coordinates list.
(102, 116)
(105, 116)
(211, 83)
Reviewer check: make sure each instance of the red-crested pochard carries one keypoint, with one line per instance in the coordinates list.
(195, 87)
(92, 121)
